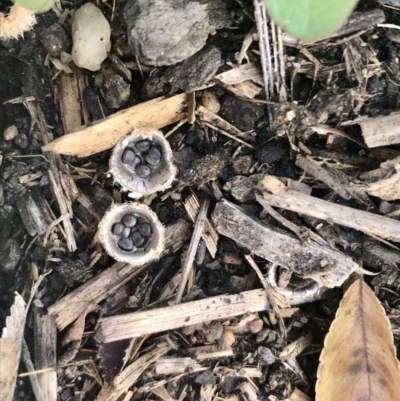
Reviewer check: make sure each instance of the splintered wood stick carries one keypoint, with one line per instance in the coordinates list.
(369, 223)
(137, 324)
(281, 248)
(45, 341)
(194, 243)
(209, 235)
(69, 308)
(314, 169)
(104, 134)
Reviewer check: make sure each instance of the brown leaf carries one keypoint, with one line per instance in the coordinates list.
(359, 361)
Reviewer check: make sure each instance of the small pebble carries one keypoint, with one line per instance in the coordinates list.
(137, 239)
(126, 244)
(145, 229)
(126, 232)
(143, 145)
(256, 326)
(10, 133)
(129, 220)
(118, 228)
(128, 157)
(229, 337)
(22, 141)
(142, 170)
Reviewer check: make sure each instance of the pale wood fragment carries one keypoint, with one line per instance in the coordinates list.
(324, 175)
(240, 74)
(281, 248)
(10, 348)
(209, 352)
(381, 131)
(175, 365)
(240, 80)
(69, 308)
(73, 110)
(209, 235)
(45, 348)
(104, 134)
(172, 317)
(369, 223)
(194, 243)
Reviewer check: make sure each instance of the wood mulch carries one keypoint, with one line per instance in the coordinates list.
(288, 184)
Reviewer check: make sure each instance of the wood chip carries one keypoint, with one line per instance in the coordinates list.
(10, 348)
(281, 248)
(74, 112)
(381, 131)
(104, 134)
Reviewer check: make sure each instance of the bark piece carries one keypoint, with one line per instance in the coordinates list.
(359, 360)
(104, 134)
(281, 248)
(10, 348)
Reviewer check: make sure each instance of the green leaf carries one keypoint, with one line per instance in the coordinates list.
(37, 6)
(310, 19)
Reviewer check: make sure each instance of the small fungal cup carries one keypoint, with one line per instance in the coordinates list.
(132, 233)
(141, 163)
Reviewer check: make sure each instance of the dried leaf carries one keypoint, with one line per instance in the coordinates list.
(359, 361)
(10, 348)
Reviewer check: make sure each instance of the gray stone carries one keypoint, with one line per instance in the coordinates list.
(118, 92)
(55, 40)
(186, 76)
(166, 32)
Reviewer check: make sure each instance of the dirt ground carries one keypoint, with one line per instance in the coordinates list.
(293, 114)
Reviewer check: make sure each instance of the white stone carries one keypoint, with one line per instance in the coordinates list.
(91, 34)
(10, 133)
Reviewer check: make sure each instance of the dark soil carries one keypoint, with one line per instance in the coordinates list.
(329, 98)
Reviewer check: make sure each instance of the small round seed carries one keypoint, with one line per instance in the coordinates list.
(126, 244)
(126, 232)
(143, 145)
(142, 170)
(128, 157)
(137, 239)
(155, 152)
(117, 228)
(145, 229)
(152, 161)
(129, 220)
